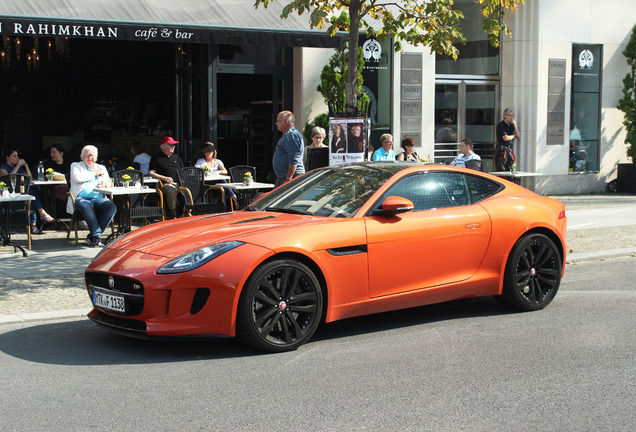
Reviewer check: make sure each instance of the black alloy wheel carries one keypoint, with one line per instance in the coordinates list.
(533, 273)
(280, 306)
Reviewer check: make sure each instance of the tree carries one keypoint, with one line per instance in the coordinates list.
(333, 79)
(627, 103)
(434, 23)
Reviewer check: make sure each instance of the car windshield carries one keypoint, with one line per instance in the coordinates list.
(330, 192)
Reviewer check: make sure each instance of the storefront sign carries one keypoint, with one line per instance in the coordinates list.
(57, 28)
(101, 31)
(348, 140)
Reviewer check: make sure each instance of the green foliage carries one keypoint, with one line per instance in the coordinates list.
(627, 103)
(433, 23)
(333, 79)
(321, 120)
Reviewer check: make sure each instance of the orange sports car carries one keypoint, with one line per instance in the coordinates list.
(335, 243)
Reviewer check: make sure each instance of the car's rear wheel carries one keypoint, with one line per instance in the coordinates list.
(533, 273)
(280, 306)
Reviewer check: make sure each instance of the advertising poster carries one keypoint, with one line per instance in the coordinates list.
(348, 140)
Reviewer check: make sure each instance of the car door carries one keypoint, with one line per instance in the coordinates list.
(443, 240)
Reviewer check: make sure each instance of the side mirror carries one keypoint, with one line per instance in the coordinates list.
(394, 205)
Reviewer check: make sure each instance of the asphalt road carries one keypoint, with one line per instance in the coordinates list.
(461, 366)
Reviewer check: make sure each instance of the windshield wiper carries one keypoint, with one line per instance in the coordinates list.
(287, 210)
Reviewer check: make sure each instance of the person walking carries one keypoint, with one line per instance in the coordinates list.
(288, 156)
(507, 132)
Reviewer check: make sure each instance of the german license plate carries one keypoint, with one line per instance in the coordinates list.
(109, 301)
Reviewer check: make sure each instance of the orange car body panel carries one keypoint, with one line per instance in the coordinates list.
(368, 264)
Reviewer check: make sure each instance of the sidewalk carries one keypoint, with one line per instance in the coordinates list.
(49, 283)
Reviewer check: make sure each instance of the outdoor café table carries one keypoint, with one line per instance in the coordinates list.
(5, 225)
(243, 190)
(212, 178)
(515, 176)
(123, 207)
(48, 197)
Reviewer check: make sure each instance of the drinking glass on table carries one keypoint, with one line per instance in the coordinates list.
(13, 183)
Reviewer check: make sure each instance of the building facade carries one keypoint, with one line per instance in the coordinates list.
(112, 73)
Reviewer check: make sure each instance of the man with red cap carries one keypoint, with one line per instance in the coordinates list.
(163, 166)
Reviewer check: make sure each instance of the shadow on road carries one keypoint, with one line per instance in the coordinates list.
(84, 343)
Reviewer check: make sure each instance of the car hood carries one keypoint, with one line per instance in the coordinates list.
(174, 238)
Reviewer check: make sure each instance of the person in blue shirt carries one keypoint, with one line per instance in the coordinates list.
(385, 153)
(466, 153)
(288, 156)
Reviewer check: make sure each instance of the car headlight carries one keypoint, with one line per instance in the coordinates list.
(197, 258)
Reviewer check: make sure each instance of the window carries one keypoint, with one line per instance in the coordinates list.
(585, 108)
(481, 188)
(432, 190)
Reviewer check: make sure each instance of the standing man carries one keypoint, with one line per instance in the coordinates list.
(288, 156)
(507, 131)
(163, 166)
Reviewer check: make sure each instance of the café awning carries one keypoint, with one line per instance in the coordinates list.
(194, 21)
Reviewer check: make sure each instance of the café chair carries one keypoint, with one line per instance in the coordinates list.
(238, 172)
(474, 164)
(19, 211)
(76, 218)
(141, 206)
(200, 198)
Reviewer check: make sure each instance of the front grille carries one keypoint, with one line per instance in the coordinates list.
(132, 290)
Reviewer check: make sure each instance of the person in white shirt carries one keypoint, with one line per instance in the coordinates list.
(466, 153)
(142, 158)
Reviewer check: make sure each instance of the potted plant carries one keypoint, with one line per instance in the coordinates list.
(247, 179)
(626, 180)
(3, 185)
(126, 179)
(49, 173)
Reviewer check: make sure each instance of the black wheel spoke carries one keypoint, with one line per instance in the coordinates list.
(266, 330)
(297, 327)
(260, 295)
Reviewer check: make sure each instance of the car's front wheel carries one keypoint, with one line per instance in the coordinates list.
(280, 306)
(533, 273)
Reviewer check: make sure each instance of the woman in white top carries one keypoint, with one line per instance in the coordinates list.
(216, 166)
(209, 159)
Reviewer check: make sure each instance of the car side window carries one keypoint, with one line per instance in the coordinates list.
(432, 190)
(481, 188)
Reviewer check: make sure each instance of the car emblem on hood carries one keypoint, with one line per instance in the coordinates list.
(111, 281)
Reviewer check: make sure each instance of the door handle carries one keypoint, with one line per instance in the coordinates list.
(473, 225)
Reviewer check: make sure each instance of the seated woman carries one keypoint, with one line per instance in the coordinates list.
(408, 144)
(215, 165)
(15, 165)
(59, 165)
(98, 211)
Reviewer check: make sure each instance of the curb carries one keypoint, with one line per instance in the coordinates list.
(44, 316)
(600, 255)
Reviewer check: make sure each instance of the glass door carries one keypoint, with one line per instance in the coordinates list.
(465, 110)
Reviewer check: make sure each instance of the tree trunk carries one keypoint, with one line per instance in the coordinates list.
(351, 86)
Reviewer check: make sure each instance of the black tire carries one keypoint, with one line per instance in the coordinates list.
(280, 306)
(533, 273)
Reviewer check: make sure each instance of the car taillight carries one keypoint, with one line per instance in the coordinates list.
(562, 214)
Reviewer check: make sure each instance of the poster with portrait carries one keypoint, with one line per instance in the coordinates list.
(348, 140)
